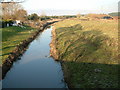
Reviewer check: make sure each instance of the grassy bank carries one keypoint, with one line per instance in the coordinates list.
(11, 37)
(89, 51)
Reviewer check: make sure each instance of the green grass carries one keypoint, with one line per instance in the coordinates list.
(94, 42)
(12, 36)
(91, 75)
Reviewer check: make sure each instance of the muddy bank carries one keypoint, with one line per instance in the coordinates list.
(54, 53)
(53, 50)
(20, 49)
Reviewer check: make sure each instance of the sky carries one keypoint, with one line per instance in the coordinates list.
(70, 7)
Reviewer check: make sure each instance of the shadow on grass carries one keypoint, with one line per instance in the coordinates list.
(76, 44)
(8, 47)
(12, 31)
(5, 54)
(91, 75)
(68, 29)
(89, 57)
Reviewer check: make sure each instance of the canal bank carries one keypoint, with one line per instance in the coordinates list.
(54, 53)
(20, 49)
(35, 69)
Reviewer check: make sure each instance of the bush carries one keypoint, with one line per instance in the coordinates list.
(34, 17)
(5, 22)
(45, 18)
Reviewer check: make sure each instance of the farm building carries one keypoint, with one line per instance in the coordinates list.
(17, 23)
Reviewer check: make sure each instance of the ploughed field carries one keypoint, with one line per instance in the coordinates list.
(11, 37)
(89, 50)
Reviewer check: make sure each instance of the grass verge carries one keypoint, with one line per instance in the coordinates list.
(13, 36)
(89, 50)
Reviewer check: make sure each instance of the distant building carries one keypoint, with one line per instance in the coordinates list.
(17, 23)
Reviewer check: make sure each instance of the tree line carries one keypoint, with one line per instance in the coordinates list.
(14, 11)
(36, 17)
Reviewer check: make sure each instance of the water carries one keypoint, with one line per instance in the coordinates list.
(36, 69)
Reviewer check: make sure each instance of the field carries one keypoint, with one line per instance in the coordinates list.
(12, 36)
(89, 50)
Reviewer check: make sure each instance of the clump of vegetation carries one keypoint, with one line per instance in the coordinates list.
(11, 37)
(34, 17)
(89, 51)
(5, 22)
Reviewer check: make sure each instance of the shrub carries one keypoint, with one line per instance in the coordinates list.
(5, 22)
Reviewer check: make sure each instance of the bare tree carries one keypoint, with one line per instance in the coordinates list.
(20, 15)
(9, 10)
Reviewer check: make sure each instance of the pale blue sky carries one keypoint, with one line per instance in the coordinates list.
(61, 7)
